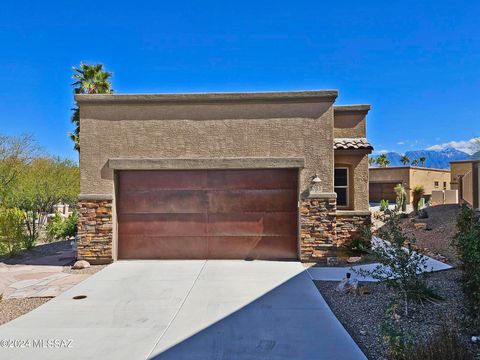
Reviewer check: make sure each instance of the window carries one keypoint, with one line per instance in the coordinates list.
(435, 184)
(341, 186)
(444, 185)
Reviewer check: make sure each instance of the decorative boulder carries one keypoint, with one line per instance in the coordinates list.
(354, 259)
(81, 264)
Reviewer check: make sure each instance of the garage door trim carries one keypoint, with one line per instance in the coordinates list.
(207, 163)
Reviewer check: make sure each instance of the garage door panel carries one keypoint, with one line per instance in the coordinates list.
(251, 247)
(382, 191)
(163, 201)
(163, 224)
(233, 214)
(163, 247)
(165, 179)
(252, 179)
(227, 201)
(250, 224)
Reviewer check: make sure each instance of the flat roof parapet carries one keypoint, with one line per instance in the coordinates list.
(293, 96)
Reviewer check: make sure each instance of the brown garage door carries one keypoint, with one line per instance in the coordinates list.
(380, 191)
(207, 214)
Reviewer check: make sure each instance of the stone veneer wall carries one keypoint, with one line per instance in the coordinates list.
(349, 226)
(323, 229)
(95, 231)
(317, 227)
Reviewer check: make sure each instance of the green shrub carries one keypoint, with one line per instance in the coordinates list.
(467, 242)
(398, 341)
(70, 225)
(400, 265)
(60, 228)
(362, 243)
(383, 205)
(12, 226)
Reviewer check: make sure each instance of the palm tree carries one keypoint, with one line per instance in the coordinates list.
(405, 160)
(422, 160)
(415, 162)
(90, 79)
(382, 160)
(371, 161)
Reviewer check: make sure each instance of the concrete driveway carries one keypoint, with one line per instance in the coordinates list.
(184, 310)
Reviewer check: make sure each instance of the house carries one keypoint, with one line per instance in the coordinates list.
(384, 179)
(279, 175)
(464, 176)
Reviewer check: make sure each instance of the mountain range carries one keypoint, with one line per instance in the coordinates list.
(439, 159)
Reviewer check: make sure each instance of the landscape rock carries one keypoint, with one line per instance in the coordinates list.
(81, 264)
(332, 261)
(354, 259)
(420, 226)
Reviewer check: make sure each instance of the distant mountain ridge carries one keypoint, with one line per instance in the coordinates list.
(439, 159)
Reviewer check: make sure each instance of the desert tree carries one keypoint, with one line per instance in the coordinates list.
(90, 79)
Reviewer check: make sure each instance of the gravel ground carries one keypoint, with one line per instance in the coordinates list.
(13, 308)
(363, 315)
(90, 270)
(437, 241)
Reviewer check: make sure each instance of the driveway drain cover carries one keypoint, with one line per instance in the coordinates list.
(79, 297)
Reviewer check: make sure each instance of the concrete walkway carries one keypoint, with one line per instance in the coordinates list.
(338, 273)
(187, 310)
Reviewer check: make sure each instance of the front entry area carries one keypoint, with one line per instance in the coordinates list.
(207, 214)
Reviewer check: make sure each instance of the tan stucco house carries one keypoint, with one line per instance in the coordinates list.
(384, 179)
(280, 175)
(465, 177)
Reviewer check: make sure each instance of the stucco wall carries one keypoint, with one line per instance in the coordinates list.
(397, 174)
(457, 169)
(427, 178)
(143, 129)
(350, 121)
(358, 176)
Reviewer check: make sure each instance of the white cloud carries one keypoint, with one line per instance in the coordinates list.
(468, 146)
(381, 151)
(401, 143)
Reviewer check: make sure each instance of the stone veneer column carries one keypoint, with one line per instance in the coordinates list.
(317, 226)
(95, 229)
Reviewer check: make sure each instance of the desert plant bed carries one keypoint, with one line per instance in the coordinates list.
(363, 315)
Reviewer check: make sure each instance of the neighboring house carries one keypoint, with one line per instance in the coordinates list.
(466, 178)
(383, 181)
(280, 175)
(63, 209)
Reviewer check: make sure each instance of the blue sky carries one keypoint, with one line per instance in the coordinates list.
(416, 62)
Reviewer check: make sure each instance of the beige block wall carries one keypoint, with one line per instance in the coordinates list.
(411, 177)
(358, 176)
(204, 130)
(458, 169)
(427, 178)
